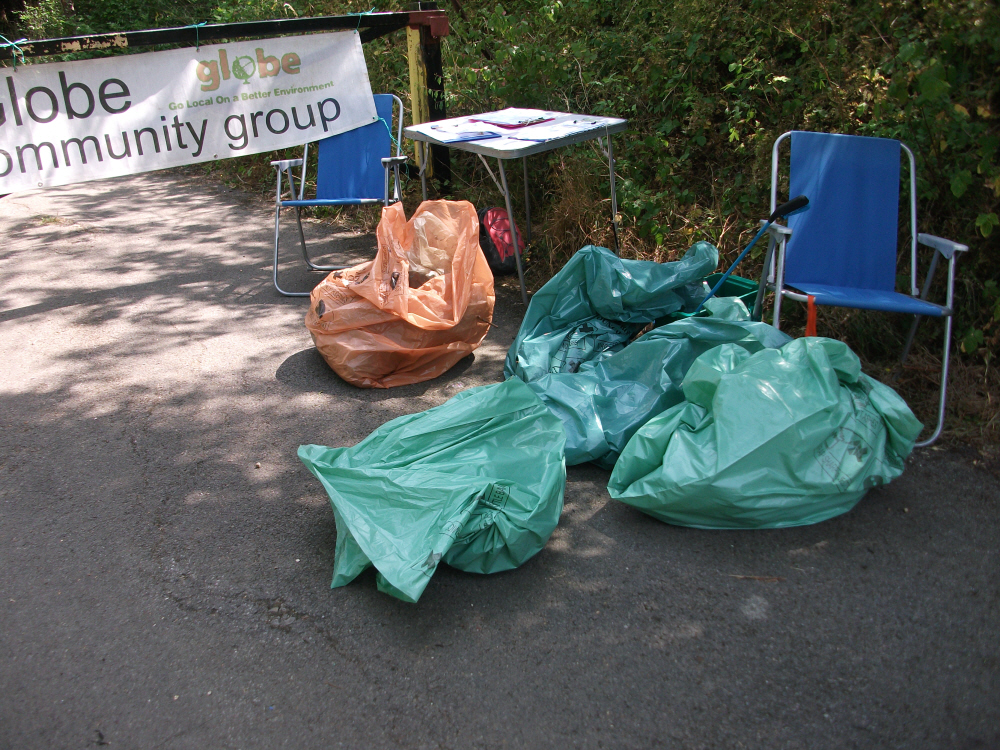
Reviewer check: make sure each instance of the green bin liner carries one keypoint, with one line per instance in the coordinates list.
(597, 302)
(783, 437)
(734, 300)
(607, 400)
(476, 482)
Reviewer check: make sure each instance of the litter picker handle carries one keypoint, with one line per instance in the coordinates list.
(727, 274)
(783, 210)
(786, 208)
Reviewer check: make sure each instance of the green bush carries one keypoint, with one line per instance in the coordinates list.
(706, 86)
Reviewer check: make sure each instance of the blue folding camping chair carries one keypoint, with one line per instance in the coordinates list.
(841, 250)
(353, 170)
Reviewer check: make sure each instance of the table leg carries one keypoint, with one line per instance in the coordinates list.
(513, 230)
(527, 204)
(423, 168)
(614, 196)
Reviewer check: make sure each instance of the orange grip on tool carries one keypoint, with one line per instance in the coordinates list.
(811, 316)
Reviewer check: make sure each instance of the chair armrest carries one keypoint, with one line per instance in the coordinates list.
(286, 163)
(947, 248)
(777, 230)
(390, 160)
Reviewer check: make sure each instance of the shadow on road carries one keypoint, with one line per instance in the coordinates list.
(166, 560)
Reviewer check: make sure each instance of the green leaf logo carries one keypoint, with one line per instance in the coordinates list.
(244, 68)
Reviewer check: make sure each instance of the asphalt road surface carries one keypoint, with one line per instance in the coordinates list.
(159, 590)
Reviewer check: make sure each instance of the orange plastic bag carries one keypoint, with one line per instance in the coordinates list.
(424, 303)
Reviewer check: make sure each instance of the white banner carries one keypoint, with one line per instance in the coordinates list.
(90, 119)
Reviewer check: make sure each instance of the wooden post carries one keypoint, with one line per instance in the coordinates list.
(423, 47)
(419, 98)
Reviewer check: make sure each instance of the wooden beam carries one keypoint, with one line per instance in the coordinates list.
(371, 26)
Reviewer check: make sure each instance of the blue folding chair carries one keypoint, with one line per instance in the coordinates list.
(353, 170)
(841, 250)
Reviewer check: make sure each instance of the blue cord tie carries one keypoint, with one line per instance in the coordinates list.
(359, 15)
(389, 130)
(196, 26)
(15, 49)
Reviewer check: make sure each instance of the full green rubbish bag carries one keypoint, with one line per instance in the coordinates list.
(476, 482)
(603, 403)
(597, 302)
(783, 437)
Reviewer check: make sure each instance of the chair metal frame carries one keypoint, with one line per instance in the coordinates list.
(774, 273)
(298, 201)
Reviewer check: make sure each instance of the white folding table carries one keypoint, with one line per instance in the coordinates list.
(502, 141)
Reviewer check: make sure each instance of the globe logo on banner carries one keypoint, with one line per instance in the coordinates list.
(244, 68)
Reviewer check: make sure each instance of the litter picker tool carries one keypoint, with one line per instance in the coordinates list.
(780, 212)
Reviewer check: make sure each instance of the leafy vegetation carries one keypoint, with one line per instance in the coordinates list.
(707, 85)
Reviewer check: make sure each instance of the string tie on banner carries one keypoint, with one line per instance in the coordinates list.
(14, 47)
(361, 15)
(196, 26)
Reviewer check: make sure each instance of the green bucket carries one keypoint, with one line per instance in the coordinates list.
(734, 286)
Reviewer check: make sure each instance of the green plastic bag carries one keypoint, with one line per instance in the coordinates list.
(597, 302)
(607, 400)
(476, 482)
(783, 437)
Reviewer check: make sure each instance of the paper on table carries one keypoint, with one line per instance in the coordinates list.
(460, 137)
(459, 130)
(463, 124)
(564, 124)
(551, 131)
(512, 117)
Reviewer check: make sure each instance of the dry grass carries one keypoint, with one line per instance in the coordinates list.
(973, 405)
(573, 214)
(972, 416)
(973, 409)
(577, 218)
